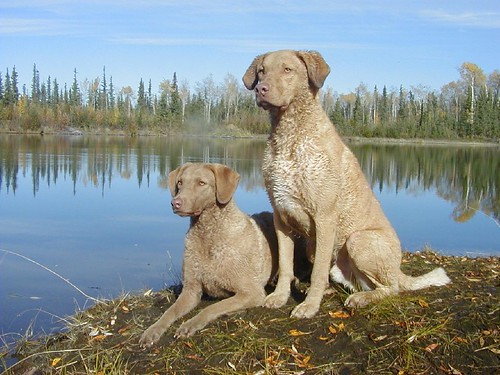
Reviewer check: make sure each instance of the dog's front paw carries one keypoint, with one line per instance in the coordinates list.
(276, 300)
(187, 329)
(151, 336)
(305, 310)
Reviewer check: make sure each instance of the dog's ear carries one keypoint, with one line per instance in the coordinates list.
(226, 181)
(250, 78)
(172, 179)
(317, 68)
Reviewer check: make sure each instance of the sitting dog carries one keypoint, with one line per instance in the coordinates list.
(317, 189)
(227, 253)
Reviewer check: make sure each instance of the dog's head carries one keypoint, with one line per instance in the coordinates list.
(198, 186)
(279, 77)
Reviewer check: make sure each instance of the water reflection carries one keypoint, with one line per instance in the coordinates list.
(464, 175)
(467, 176)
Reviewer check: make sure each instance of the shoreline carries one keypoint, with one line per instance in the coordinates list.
(347, 139)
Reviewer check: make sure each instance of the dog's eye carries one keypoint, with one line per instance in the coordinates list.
(179, 183)
(202, 183)
(288, 70)
(260, 70)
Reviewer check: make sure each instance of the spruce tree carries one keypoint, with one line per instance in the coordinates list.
(8, 96)
(1, 88)
(141, 98)
(35, 85)
(15, 89)
(74, 94)
(111, 94)
(103, 93)
(175, 100)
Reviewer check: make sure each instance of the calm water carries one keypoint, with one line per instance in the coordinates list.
(96, 211)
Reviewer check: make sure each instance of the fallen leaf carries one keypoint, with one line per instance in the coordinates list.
(378, 338)
(303, 361)
(123, 330)
(55, 361)
(196, 357)
(339, 314)
(494, 350)
(99, 337)
(431, 347)
(296, 332)
(422, 303)
(332, 330)
(125, 309)
(481, 342)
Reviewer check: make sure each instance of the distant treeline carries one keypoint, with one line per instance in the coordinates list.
(468, 108)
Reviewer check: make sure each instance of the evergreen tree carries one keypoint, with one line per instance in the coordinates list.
(111, 93)
(402, 106)
(49, 91)
(8, 95)
(1, 88)
(375, 114)
(103, 93)
(15, 89)
(141, 97)
(55, 93)
(384, 107)
(175, 100)
(150, 97)
(358, 110)
(75, 97)
(35, 85)
(43, 94)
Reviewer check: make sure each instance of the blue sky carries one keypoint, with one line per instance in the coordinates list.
(380, 43)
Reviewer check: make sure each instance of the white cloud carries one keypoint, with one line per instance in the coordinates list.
(470, 19)
(24, 26)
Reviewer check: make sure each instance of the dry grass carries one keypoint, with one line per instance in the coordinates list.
(448, 330)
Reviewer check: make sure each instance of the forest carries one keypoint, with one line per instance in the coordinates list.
(468, 108)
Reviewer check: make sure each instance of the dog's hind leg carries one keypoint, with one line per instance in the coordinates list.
(375, 258)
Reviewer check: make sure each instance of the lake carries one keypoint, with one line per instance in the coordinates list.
(95, 211)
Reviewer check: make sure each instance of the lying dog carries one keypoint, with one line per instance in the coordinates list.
(317, 189)
(227, 253)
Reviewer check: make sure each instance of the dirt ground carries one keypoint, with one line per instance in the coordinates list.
(453, 329)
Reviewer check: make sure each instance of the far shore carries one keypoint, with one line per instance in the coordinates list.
(347, 139)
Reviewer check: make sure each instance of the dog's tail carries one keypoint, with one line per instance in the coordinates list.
(436, 277)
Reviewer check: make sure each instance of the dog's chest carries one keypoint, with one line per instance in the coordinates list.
(292, 173)
(215, 258)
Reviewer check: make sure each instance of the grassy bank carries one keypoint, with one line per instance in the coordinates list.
(448, 330)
